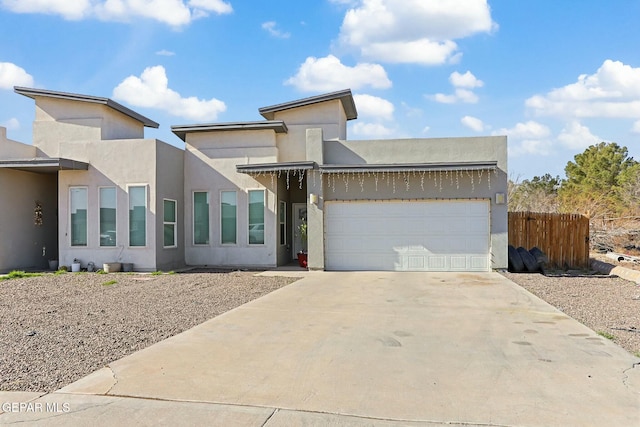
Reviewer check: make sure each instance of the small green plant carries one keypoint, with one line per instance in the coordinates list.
(171, 272)
(637, 354)
(110, 282)
(18, 274)
(607, 335)
(157, 273)
(101, 271)
(59, 272)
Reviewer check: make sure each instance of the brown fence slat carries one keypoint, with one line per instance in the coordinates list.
(563, 237)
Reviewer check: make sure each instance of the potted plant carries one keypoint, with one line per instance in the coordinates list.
(302, 255)
(75, 266)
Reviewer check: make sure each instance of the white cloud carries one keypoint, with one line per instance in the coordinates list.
(412, 31)
(421, 51)
(73, 10)
(473, 123)
(636, 127)
(11, 75)
(165, 52)
(271, 28)
(373, 106)
(467, 80)
(11, 124)
(577, 136)
(371, 130)
(172, 12)
(528, 138)
(151, 90)
(613, 91)
(462, 83)
(328, 73)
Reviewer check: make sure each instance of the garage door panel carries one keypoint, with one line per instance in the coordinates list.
(443, 235)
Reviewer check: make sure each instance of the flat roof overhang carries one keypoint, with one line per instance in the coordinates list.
(42, 165)
(410, 167)
(181, 131)
(33, 93)
(259, 168)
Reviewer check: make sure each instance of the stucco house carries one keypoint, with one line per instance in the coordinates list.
(93, 188)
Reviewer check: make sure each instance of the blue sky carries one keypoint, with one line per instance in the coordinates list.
(554, 76)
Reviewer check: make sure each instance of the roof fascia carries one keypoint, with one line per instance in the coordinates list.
(34, 93)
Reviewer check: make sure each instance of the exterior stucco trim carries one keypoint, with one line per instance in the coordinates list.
(345, 97)
(181, 131)
(34, 93)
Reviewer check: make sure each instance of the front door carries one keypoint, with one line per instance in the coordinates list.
(299, 216)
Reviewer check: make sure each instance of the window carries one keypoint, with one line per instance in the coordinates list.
(228, 217)
(138, 216)
(78, 207)
(200, 218)
(282, 215)
(256, 217)
(170, 238)
(108, 216)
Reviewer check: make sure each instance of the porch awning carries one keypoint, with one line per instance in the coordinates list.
(44, 165)
(410, 167)
(275, 167)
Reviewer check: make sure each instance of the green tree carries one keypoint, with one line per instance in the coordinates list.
(596, 180)
(539, 194)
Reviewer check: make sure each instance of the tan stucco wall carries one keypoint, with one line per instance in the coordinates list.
(210, 165)
(10, 149)
(328, 116)
(121, 163)
(62, 120)
(23, 244)
(170, 185)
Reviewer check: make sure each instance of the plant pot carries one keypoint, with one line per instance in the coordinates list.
(111, 267)
(53, 264)
(75, 267)
(302, 259)
(127, 267)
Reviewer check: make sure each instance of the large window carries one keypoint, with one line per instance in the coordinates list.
(200, 218)
(256, 217)
(78, 207)
(282, 215)
(137, 216)
(108, 216)
(170, 238)
(228, 217)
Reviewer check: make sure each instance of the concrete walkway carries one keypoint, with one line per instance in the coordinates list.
(365, 348)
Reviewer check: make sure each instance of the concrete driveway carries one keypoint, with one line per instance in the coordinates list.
(366, 348)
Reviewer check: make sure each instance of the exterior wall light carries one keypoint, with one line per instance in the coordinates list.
(313, 199)
(501, 198)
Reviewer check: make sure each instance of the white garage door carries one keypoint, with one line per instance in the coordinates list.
(438, 235)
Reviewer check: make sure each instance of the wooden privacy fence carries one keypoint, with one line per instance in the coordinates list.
(564, 238)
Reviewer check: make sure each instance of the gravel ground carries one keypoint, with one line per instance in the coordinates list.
(56, 329)
(605, 304)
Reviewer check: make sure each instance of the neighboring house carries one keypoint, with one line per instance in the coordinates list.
(236, 195)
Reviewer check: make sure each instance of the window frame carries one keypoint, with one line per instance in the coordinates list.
(86, 231)
(264, 216)
(235, 242)
(174, 222)
(115, 189)
(193, 218)
(146, 214)
(282, 222)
